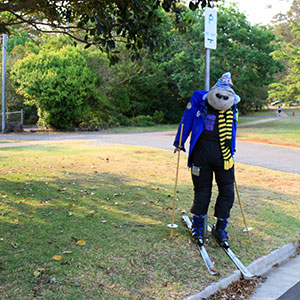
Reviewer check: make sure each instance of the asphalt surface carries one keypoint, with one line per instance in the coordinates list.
(285, 159)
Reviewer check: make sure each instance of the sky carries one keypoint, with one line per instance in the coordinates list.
(261, 11)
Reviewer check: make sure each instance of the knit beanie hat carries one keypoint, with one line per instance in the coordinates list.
(225, 83)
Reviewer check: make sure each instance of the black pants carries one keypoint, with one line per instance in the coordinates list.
(208, 157)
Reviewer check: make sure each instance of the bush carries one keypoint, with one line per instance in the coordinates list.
(159, 117)
(143, 121)
(62, 86)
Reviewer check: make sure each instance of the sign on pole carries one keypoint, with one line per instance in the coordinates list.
(210, 28)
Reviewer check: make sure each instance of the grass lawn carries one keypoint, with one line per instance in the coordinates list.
(267, 112)
(293, 110)
(282, 131)
(245, 119)
(89, 222)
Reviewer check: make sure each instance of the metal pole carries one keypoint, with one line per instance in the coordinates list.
(3, 81)
(242, 210)
(207, 69)
(206, 87)
(172, 226)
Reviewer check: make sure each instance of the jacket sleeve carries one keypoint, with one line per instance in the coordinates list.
(188, 117)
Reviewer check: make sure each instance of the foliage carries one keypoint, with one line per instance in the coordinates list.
(61, 85)
(160, 85)
(287, 89)
(242, 49)
(143, 121)
(103, 23)
(141, 89)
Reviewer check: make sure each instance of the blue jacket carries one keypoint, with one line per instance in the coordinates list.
(194, 119)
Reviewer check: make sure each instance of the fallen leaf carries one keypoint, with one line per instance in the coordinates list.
(70, 204)
(14, 245)
(166, 233)
(67, 252)
(137, 197)
(91, 213)
(36, 273)
(57, 257)
(81, 243)
(132, 261)
(69, 214)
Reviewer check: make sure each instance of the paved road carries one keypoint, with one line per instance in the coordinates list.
(282, 283)
(274, 157)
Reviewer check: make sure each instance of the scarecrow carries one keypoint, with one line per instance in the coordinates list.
(211, 118)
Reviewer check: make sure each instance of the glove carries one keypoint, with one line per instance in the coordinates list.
(177, 149)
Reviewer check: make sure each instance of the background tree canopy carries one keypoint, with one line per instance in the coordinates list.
(104, 23)
(287, 88)
(141, 92)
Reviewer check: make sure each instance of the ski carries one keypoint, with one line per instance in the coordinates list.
(208, 263)
(245, 272)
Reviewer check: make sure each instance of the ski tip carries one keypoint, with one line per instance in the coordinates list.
(249, 276)
(214, 271)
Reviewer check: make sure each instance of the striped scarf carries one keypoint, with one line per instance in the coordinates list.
(225, 131)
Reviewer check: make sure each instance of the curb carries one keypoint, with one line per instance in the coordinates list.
(260, 266)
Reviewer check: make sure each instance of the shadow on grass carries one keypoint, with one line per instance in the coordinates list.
(123, 225)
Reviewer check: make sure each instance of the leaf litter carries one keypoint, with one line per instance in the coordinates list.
(238, 289)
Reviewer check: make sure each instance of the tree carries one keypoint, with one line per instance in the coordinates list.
(62, 86)
(287, 88)
(242, 49)
(104, 22)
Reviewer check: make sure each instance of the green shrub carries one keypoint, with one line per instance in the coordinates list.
(62, 86)
(143, 121)
(159, 117)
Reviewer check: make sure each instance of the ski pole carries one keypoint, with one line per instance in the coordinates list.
(242, 210)
(172, 226)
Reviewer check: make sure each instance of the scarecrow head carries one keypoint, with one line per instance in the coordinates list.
(221, 96)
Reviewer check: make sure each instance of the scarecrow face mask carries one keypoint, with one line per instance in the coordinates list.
(220, 99)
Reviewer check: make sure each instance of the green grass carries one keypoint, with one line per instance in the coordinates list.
(118, 200)
(292, 111)
(281, 131)
(245, 119)
(268, 112)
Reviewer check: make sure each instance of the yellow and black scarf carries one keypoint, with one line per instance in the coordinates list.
(225, 133)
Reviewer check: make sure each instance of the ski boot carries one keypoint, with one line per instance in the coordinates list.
(198, 229)
(220, 233)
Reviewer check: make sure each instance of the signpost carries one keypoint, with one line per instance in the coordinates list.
(210, 42)
(3, 81)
